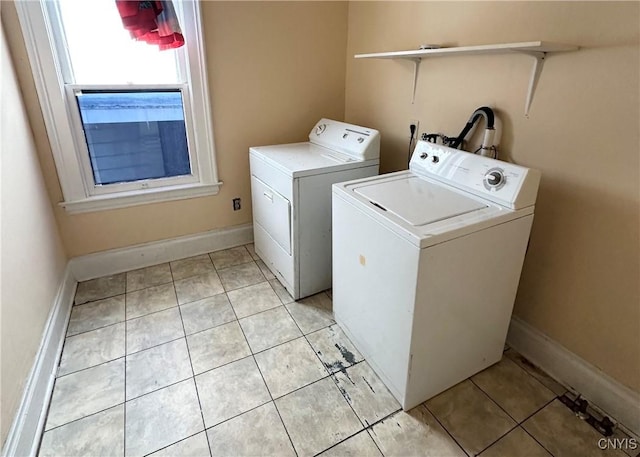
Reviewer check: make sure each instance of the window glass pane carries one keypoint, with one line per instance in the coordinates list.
(134, 134)
(103, 52)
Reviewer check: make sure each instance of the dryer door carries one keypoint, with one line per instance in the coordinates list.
(273, 212)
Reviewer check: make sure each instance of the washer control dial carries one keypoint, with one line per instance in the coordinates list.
(494, 179)
(424, 155)
(320, 129)
(435, 159)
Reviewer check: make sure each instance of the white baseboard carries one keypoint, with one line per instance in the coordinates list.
(28, 424)
(615, 399)
(143, 255)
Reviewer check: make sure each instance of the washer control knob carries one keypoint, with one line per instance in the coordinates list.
(435, 159)
(424, 155)
(321, 128)
(494, 178)
(360, 140)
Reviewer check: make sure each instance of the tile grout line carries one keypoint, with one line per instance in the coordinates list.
(498, 439)
(424, 403)
(367, 429)
(493, 401)
(93, 329)
(302, 387)
(521, 424)
(518, 423)
(97, 299)
(514, 355)
(364, 430)
(536, 440)
(265, 310)
(239, 414)
(84, 417)
(528, 373)
(193, 377)
(262, 376)
(179, 441)
(230, 266)
(470, 378)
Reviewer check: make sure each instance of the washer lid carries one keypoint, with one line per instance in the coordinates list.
(417, 201)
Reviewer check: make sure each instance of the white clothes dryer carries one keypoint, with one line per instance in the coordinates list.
(426, 264)
(291, 197)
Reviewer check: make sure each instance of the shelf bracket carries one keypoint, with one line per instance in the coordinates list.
(416, 63)
(535, 75)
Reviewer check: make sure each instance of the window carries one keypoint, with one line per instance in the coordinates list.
(134, 135)
(128, 124)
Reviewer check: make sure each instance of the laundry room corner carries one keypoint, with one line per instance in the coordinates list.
(579, 285)
(259, 73)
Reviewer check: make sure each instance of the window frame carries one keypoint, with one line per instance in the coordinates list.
(50, 66)
(84, 158)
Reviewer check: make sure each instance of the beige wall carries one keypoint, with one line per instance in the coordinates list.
(32, 260)
(580, 280)
(274, 68)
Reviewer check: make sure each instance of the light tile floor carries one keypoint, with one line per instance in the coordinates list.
(210, 356)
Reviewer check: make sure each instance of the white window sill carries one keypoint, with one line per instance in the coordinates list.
(139, 197)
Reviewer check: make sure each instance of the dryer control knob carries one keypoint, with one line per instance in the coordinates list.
(424, 155)
(435, 159)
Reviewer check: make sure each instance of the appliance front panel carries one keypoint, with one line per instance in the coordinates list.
(273, 212)
(374, 287)
(275, 258)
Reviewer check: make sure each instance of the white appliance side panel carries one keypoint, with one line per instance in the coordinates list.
(275, 258)
(273, 212)
(466, 291)
(312, 229)
(374, 287)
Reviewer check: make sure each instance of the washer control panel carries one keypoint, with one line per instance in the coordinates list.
(502, 182)
(430, 157)
(358, 142)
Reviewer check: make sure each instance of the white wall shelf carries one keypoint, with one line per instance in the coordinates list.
(537, 49)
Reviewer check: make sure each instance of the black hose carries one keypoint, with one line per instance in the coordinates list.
(483, 111)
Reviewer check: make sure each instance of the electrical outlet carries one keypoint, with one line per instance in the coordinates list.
(236, 204)
(415, 122)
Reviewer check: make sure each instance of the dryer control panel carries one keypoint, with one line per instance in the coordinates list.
(361, 143)
(505, 183)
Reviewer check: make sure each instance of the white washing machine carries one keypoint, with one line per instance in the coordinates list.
(291, 197)
(426, 264)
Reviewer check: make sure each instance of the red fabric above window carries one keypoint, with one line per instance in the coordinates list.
(154, 22)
